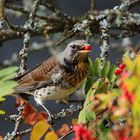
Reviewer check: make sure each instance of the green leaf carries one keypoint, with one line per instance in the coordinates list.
(82, 117)
(117, 91)
(10, 76)
(103, 133)
(102, 87)
(88, 84)
(7, 72)
(91, 67)
(126, 55)
(105, 69)
(2, 112)
(7, 87)
(89, 94)
(97, 67)
(111, 76)
(90, 115)
(138, 91)
(132, 83)
(2, 99)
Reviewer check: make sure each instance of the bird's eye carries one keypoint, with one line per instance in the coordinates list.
(73, 47)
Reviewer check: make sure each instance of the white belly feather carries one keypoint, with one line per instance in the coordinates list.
(53, 93)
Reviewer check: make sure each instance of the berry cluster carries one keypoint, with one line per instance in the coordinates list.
(119, 70)
(82, 133)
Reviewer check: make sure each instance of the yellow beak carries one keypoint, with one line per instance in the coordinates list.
(85, 51)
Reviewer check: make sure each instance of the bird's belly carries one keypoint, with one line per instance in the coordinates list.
(54, 93)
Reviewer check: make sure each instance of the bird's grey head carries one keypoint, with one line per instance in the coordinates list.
(76, 50)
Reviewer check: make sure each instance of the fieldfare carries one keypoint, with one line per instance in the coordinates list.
(57, 77)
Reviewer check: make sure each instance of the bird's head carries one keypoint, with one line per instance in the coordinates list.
(77, 51)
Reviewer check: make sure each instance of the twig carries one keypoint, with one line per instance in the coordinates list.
(71, 130)
(78, 27)
(127, 5)
(29, 27)
(53, 9)
(26, 13)
(92, 6)
(17, 119)
(24, 132)
(133, 4)
(70, 34)
(124, 34)
(67, 112)
(1, 9)
(130, 21)
(105, 40)
(68, 133)
(1, 14)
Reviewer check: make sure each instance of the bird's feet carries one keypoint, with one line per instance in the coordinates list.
(63, 100)
(50, 116)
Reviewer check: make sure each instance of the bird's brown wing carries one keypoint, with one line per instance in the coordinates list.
(38, 77)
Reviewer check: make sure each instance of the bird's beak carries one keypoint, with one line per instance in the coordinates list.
(85, 49)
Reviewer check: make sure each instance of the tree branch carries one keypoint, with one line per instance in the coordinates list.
(29, 26)
(105, 40)
(67, 112)
(17, 119)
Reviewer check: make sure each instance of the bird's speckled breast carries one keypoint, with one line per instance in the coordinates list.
(53, 93)
(69, 83)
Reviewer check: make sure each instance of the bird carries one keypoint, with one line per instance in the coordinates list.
(57, 77)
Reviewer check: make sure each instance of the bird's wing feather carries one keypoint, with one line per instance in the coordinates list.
(26, 72)
(38, 77)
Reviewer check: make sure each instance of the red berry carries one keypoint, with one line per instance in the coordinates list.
(122, 66)
(88, 48)
(118, 71)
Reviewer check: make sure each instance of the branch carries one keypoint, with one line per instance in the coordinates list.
(9, 34)
(133, 4)
(69, 34)
(92, 6)
(68, 133)
(17, 119)
(1, 9)
(67, 112)
(127, 5)
(122, 35)
(24, 132)
(51, 7)
(59, 23)
(29, 26)
(105, 40)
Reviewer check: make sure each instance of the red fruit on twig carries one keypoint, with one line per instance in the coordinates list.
(118, 71)
(122, 66)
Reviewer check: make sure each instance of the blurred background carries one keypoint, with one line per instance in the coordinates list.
(8, 48)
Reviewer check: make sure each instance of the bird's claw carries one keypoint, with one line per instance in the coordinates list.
(50, 118)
